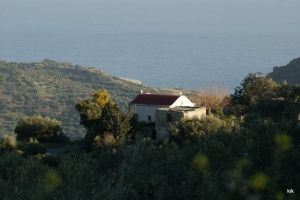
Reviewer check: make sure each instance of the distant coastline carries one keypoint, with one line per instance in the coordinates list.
(289, 72)
(131, 80)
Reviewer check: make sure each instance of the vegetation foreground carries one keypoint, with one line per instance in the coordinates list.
(250, 152)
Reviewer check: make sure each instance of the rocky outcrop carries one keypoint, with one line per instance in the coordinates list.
(289, 72)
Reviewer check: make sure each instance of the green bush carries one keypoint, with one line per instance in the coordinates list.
(22, 146)
(8, 142)
(59, 138)
(42, 129)
(20, 177)
(34, 149)
(187, 129)
(51, 161)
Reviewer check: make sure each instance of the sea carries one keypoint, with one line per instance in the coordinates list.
(167, 43)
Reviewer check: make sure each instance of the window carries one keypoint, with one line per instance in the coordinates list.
(169, 118)
(149, 118)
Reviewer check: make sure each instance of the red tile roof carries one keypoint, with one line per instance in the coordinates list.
(155, 99)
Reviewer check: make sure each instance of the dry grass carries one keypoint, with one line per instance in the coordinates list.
(210, 96)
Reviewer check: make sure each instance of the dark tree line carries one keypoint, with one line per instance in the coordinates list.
(255, 156)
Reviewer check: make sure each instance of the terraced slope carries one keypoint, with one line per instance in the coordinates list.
(51, 88)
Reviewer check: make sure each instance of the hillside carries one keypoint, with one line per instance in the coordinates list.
(289, 72)
(51, 88)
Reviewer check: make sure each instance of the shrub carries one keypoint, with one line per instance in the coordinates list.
(51, 161)
(34, 149)
(59, 138)
(107, 140)
(188, 128)
(42, 129)
(8, 142)
(20, 177)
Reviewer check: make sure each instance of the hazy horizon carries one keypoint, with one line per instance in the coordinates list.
(219, 40)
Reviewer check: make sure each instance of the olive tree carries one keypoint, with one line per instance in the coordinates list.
(100, 116)
(253, 88)
(42, 129)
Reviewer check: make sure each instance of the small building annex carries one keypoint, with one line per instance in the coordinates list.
(165, 117)
(145, 105)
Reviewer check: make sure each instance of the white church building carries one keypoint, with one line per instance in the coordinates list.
(145, 105)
